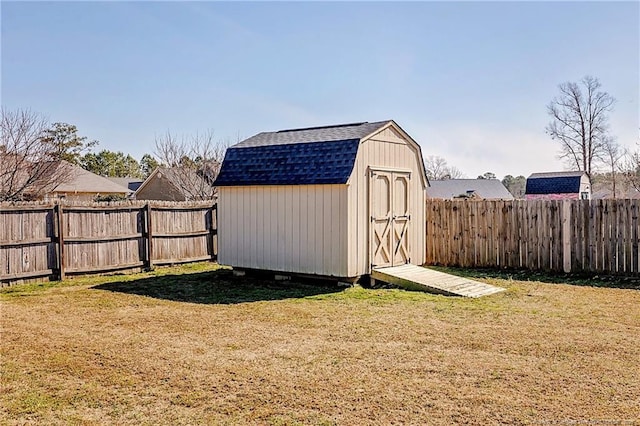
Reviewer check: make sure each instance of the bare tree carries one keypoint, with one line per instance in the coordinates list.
(29, 166)
(630, 169)
(580, 122)
(612, 157)
(437, 169)
(515, 185)
(191, 162)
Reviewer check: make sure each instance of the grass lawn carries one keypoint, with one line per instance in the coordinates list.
(195, 345)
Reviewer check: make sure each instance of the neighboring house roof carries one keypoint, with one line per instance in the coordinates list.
(177, 178)
(554, 183)
(59, 177)
(607, 193)
(18, 173)
(488, 189)
(81, 180)
(131, 183)
(316, 155)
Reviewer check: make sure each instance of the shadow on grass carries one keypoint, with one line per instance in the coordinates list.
(591, 280)
(218, 287)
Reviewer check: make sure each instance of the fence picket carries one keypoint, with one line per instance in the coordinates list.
(40, 240)
(56, 240)
(602, 234)
(628, 246)
(635, 258)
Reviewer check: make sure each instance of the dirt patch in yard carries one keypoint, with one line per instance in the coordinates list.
(194, 345)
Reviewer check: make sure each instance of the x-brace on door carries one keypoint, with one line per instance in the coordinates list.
(390, 221)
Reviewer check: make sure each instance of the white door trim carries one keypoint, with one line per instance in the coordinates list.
(399, 238)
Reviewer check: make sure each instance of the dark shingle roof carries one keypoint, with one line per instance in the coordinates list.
(554, 183)
(293, 164)
(338, 132)
(488, 189)
(319, 155)
(557, 174)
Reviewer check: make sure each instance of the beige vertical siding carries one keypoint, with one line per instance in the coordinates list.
(295, 228)
(387, 149)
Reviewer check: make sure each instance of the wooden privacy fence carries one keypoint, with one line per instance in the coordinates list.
(553, 235)
(49, 241)
(40, 240)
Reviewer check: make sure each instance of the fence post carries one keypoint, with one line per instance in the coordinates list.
(566, 236)
(59, 220)
(149, 226)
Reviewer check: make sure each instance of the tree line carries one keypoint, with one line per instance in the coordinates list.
(66, 144)
(36, 156)
(32, 149)
(579, 122)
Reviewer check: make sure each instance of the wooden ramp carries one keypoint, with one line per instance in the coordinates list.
(414, 277)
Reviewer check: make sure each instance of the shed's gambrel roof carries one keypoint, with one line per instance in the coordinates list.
(554, 183)
(339, 132)
(318, 155)
(557, 174)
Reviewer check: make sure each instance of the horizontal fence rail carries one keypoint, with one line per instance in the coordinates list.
(48, 241)
(598, 236)
(40, 241)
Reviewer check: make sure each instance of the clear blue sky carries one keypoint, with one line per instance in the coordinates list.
(470, 81)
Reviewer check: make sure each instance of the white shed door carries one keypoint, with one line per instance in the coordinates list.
(390, 218)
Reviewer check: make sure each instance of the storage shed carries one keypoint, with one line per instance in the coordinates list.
(329, 201)
(558, 186)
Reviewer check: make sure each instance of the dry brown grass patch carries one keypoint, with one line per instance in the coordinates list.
(197, 346)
